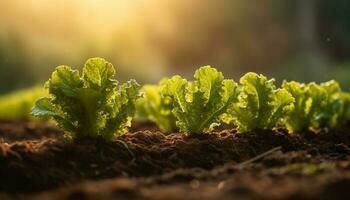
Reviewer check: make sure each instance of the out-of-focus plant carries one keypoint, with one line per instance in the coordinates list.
(328, 115)
(344, 112)
(155, 108)
(18, 104)
(316, 105)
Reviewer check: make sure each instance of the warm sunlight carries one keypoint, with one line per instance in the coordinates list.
(174, 100)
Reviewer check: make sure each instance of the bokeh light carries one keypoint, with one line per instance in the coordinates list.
(146, 40)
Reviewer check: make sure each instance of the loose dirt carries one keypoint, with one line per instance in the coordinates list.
(36, 162)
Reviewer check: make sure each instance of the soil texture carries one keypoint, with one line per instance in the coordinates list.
(37, 162)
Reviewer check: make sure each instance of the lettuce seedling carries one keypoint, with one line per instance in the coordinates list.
(299, 119)
(199, 105)
(18, 104)
(328, 113)
(315, 105)
(91, 105)
(260, 105)
(156, 108)
(344, 111)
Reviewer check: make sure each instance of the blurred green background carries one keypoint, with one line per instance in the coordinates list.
(304, 40)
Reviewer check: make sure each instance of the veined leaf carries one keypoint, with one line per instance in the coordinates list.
(91, 105)
(200, 105)
(260, 105)
(315, 106)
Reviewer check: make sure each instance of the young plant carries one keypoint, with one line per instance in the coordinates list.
(315, 105)
(344, 113)
(260, 105)
(199, 105)
(328, 113)
(91, 105)
(17, 104)
(156, 108)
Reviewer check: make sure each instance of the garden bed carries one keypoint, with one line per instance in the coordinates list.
(36, 162)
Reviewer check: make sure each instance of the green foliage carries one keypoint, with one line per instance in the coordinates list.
(17, 105)
(328, 113)
(315, 106)
(199, 105)
(344, 111)
(156, 108)
(300, 117)
(91, 105)
(260, 105)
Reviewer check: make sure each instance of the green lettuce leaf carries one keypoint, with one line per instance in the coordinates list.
(260, 105)
(17, 105)
(315, 106)
(156, 108)
(328, 113)
(91, 105)
(344, 111)
(200, 105)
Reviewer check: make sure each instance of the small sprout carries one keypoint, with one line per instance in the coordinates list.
(260, 105)
(200, 105)
(156, 108)
(91, 105)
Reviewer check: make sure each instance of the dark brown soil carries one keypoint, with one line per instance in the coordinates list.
(36, 162)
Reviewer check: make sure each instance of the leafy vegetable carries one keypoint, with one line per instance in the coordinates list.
(17, 105)
(156, 108)
(199, 105)
(344, 111)
(315, 105)
(260, 105)
(329, 111)
(300, 117)
(91, 105)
